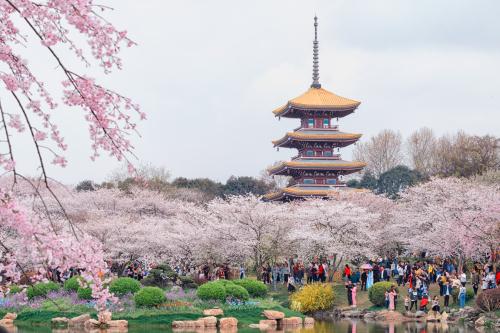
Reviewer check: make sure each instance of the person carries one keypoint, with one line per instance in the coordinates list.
(413, 299)
(461, 296)
(400, 275)
(291, 284)
(348, 286)
(475, 281)
(242, 272)
(423, 303)
(463, 279)
(321, 273)
(364, 277)
(435, 304)
(347, 272)
(392, 299)
(353, 295)
(369, 280)
(407, 303)
(446, 293)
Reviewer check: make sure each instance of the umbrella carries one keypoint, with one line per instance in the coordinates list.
(366, 266)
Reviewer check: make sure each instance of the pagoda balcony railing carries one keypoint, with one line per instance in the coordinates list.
(329, 127)
(333, 157)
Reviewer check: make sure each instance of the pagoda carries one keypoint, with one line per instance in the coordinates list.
(317, 169)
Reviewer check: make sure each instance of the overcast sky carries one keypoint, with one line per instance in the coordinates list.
(209, 73)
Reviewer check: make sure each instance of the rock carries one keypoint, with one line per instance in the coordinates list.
(189, 323)
(352, 314)
(213, 312)
(271, 314)
(386, 315)
(292, 321)
(210, 321)
(370, 315)
(91, 324)
(79, 321)
(6, 322)
(270, 323)
(228, 322)
(178, 324)
(419, 314)
(117, 324)
(59, 322)
(254, 326)
(104, 316)
(308, 321)
(200, 323)
(444, 317)
(480, 321)
(433, 316)
(10, 315)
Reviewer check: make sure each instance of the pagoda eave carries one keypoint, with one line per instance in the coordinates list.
(296, 192)
(287, 168)
(297, 139)
(292, 111)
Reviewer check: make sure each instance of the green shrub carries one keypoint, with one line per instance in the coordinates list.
(124, 285)
(188, 282)
(84, 293)
(255, 288)
(313, 297)
(469, 294)
(41, 289)
(15, 289)
(489, 300)
(212, 291)
(376, 293)
(149, 296)
(237, 292)
(72, 284)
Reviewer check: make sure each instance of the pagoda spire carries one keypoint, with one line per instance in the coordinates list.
(315, 77)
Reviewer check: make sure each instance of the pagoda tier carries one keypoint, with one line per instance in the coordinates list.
(317, 170)
(317, 102)
(309, 138)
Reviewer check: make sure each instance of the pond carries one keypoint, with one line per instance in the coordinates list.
(343, 326)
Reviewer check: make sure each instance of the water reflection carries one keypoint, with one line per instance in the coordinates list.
(344, 326)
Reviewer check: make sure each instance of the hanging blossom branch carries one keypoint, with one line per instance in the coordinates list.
(111, 118)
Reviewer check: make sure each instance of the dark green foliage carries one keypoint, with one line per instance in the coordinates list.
(41, 289)
(376, 293)
(212, 291)
(238, 292)
(205, 185)
(188, 282)
(160, 276)
(85, 185)
(124, 285)
(72, 284)
(255, 288)
(84, 293)
(489, 300)
(149, 297)
(245, 185)
(368, 181)
(396, 180)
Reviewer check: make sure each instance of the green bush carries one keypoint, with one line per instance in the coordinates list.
(255, 288)
(72, 284)
(212, 291)
(124, 285)
(469, 294)
(84, 293)
(160, 276)
(376, 293)
(14, 289)
(149, 297)
(41, 289)
(313, 297)
(188, 282)
(237, 292)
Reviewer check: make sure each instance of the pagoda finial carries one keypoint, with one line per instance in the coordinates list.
(315, 77)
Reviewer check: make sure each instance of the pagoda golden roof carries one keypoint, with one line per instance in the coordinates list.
(318, 98)
(317, 164)
(299, 135)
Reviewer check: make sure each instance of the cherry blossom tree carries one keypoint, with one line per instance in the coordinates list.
(110, 116)
(451, 217)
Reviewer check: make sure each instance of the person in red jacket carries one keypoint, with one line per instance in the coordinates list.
(347, 272)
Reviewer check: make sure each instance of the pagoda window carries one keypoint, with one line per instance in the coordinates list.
(320, 181)
(331, 181)
(327, 153)
(319, 153)
(310, 122)
(308, 181)
(310, 153)
(326, 123)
